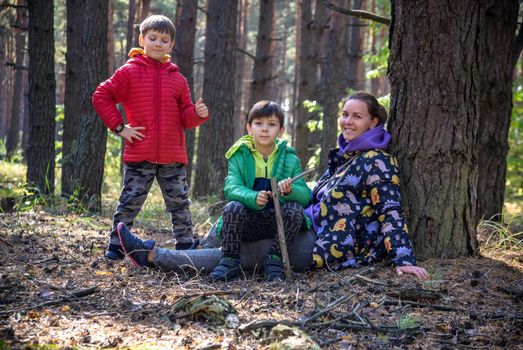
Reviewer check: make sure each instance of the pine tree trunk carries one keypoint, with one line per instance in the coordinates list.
(16, 116)
(353, 60)
(3, 83)
(216, 135)
(262, 74)
(239, 108)
(40, 149)
(130, 25)
(89, 160)
(73, 100)
(332, 89)
(497, 30)
(434, 75)
(306, 78)
(184, 57)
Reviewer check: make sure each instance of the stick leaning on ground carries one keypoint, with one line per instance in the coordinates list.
(279, 222)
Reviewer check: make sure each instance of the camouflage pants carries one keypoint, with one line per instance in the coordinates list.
(243, 224)
(138, 178)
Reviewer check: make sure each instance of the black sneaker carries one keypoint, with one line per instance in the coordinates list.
(273, 269)
(114, 252)
(227, 270)
(135, 248)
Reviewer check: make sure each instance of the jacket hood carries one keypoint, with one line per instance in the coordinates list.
(138, 56)
(248, 141)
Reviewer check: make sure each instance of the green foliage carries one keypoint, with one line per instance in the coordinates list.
(407, 322)
(502, 235)
(514, 179)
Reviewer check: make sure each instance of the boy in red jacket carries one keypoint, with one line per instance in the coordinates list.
(158, 106)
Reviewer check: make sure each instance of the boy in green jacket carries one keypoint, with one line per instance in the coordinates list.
(249, 216)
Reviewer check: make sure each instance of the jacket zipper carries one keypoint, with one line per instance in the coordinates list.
(157, 112)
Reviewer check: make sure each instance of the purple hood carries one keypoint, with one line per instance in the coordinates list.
(376, 138)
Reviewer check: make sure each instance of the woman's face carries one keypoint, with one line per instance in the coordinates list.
(355, 119)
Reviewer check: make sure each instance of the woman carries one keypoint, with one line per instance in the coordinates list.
(356, 210)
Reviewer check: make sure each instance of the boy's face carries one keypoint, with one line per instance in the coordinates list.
(265, 130)
(156, 45)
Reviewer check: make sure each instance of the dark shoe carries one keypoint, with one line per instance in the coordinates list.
(135, 248)
(114, 252)
(227, 270)
(273, 269)
(187, 246)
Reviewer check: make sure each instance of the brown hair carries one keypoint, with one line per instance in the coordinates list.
(376, 110)
(158, 23)
(266, 108)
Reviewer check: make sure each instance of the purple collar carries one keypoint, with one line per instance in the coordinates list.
(376, 138)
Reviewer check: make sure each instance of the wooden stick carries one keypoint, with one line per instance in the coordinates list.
(281, 231)
(300, 175)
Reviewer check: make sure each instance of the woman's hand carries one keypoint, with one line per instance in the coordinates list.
(129, 132)
(263, 198)
(414, 270)
(285, 186)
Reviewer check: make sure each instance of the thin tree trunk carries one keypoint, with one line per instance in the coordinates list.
(353, 73)
(40, 149)
(3, 83)
(307, 77)
(216, 136)
(16, 117)
(73, 100)
(434, 118)
(331, 84)
(263, 82)
(297, 67)
(239, 112)
(110, 38)
(130, 25)
(89, 160)
(497, 30)
(186, 12)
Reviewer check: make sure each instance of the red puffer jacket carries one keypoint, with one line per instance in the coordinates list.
(154, 95)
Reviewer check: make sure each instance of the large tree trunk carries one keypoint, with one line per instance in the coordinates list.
(40, 149)
(262, 74)
(16, 116)
(216, 136)
(332, 89)
(89, 160)
(186, 12)
(434, 75)
(498, 25)
(73, 100)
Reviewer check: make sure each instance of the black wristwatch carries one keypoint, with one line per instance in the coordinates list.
(118, 129)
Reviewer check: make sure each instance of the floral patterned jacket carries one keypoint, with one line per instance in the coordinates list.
(360, 220)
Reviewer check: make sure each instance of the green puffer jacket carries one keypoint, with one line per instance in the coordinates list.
(241, 175)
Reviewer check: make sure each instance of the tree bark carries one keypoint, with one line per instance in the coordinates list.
(3, 82)
(332, 89)
(73, 100)
(186, 12)
(435, 81)
(216, 136)
(263, 75)
(13, 135)
(242, 33)
(310, 33)
(89, 160)
(353, 54)
(498, 25)
(130, 25)
(40, 149)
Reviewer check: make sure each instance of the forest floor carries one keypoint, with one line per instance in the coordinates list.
(56, 291)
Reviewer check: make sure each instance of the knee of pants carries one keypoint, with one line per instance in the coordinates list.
(234, 207)
(291, 208)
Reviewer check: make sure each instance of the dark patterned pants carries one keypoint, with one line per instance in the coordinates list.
(138, 178)
(243, 224)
